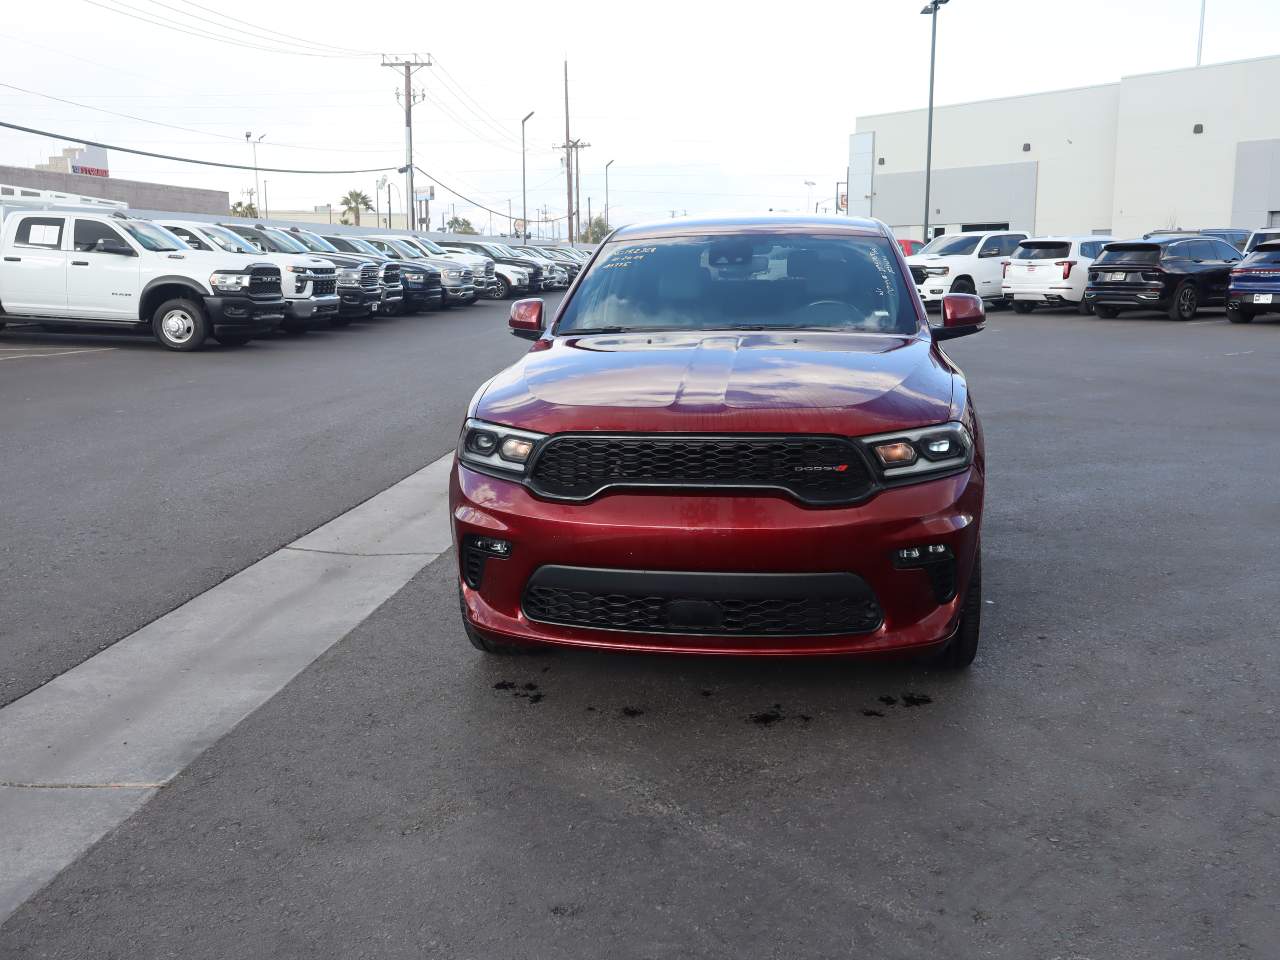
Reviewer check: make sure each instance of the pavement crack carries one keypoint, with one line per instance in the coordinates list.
(349, 553)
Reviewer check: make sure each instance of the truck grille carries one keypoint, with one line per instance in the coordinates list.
(369, 276)
(919, 275)
(468, 276)
(323, 282)
(816, 470)
(488, 269)
(391, 274)
(717, 604)
(264, 281)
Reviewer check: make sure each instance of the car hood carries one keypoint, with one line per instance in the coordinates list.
(797, 382)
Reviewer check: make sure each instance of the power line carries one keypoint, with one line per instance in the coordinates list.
(454, 86)
(156, 20)
(474, 203)
(165, 156)
(310, 43)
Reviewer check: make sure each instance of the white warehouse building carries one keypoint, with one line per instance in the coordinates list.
(1191, 148)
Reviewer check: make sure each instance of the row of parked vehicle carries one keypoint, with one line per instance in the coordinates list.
(1175, 272)
(92, 265)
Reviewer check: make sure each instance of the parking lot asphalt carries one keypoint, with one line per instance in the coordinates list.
(1101, 784)
(135, 479)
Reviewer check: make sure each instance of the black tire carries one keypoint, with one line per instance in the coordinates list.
(1022, 306)
(501, 289)
(180, 324)
(392, 309)
(1105, 312)
(1084, 307)
(1186, 302)
(1241, 315)
(963, 647)
(482, 643)
(963, 285)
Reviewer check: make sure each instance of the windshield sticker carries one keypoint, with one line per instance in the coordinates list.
(625, 258)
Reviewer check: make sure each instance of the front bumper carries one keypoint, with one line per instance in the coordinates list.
(357, 301)
(241, 314)
(312, 308)
(460, 293)
(391, 296)
(720, 533)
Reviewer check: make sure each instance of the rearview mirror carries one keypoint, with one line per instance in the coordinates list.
(113, 245)
(526, 318)
(962, 314)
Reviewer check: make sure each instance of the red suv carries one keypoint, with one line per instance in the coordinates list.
(736, 436)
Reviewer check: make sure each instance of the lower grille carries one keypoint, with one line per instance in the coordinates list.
(816, 470)
(702, 603)
(324, 287)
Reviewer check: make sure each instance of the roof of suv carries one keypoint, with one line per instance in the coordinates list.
(762, 223)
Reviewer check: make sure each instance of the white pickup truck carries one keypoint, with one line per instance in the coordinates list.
(85, 267)
(963, 263)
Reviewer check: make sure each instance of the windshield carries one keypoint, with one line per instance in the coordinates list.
(954, 246)
(284, 242)
(407, 250)
(1262, 236)
(428, 245)
(151, 237)
(227, 240)
(363, 246)
(752, 282)
(313, 243)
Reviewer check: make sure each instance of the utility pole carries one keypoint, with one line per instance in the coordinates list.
(930, 10)
(577, 180)
(568, 154)
(257, 187)
(607, 221)
(410, 65)
(588, 215)
(524, 193)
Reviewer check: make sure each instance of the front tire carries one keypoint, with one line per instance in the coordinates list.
(963, 647)
(1186, 302)
(180, 325)
(1240, 316)
(502, 289)
(1022, 306)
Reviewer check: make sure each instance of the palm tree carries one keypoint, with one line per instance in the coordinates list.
(354, 202)
(242, 209)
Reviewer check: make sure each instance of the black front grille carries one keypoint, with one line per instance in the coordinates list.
(369, 276)
(391, 274)
(919, 275)
(702, 603)
(264, 282)
(323, 287)
(817, 470)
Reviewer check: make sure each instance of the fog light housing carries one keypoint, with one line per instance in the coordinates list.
(937, 561)
(492, 546)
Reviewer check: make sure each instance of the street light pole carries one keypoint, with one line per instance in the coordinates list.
(1200, 42)
(524, 195)
(257, 186)
(607, 221)
(930, 11)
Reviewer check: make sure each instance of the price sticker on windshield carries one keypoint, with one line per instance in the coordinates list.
(626, 257)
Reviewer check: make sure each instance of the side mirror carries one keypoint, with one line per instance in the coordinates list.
(962, 314)
(526, 318)
(112, 245)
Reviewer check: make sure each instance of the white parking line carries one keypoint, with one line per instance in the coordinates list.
(85, 751)
(59, 353)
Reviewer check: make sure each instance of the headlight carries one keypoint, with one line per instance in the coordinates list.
(227, 281)
(294, 268)
(492, 447)
(920, 454)
(453, 274)
(349, 275)
(937, 271)
(414, 277)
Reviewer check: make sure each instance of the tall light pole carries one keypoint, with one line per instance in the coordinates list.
(808, 197)
(931, 10)
(1200, 42)
(524, 195)
(257, 187)
(607, 221)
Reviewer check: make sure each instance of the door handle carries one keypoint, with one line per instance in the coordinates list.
(12, 259)
(79, 263)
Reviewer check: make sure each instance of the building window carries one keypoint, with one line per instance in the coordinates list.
(1026, 148)
(881, 161)
(1198, 128)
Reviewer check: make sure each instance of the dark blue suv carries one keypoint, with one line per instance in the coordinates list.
(1255, 284)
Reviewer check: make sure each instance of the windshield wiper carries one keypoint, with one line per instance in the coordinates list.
(599, 330)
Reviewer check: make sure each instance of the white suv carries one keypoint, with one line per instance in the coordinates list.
(963, 263)
(1052, 271)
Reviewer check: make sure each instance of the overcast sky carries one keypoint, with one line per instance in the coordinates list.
(702, 106)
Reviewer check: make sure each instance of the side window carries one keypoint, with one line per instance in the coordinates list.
(89, 232)
(43, 232)
(191, 239)
(992, 247)
(1011, 243)
(1090, 249)
(1182, 250)
(1225, 251)
(1205, 250)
